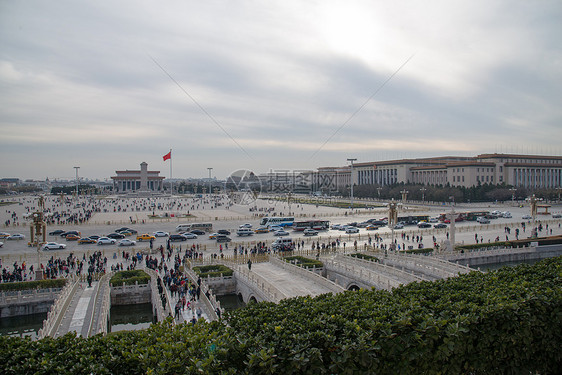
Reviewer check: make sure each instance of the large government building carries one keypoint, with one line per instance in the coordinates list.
(141, 180)
(528, 171)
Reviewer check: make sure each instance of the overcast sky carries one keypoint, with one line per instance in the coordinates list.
(269, 85)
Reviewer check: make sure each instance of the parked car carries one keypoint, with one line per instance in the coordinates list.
(106, 241)
(244, 232)
(56, 232)
(440, 225)
(1, 244)
(526, 217)
(145, 237)
(223, 231)
(281, 233)
(483, 220)
(53, 246)
(127, 242)
(116, 236)
(246, 225)
(371, 227)
(433, 220)
(4, 235)
(424, 224)
(198, 232)
(336, 226)
(72, 237)
(95, 237)
(161, 234)
(262, 230)
(351, 230)
(275, 228)
(310, 232)
(556, 216)
(223, 238)
(177, 237)
(16, 236)
(75, 232)
(87, 240)
(399, 226)
(126, 233)
(125, 229)
(212, 236)
(189, 235)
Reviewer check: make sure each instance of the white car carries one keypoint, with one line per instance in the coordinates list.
(336, 226)
(281, 233)
(16, 236)
(275, 228)
(161, 234)
(483, 220)
(351, 230)
(53, 246)
(127, 242)
(105, 241)
(399, 226)
(556, 216)
(1, 244)
(310, 232)
(246, 225)
(189, 236)
(527, 217)
(507, 215)
(433, 220)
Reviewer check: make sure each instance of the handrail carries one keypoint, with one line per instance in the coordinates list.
(392, 271)
(381, 280)
(270, 291)
(57, 310)
(101, 289)
(335, 288)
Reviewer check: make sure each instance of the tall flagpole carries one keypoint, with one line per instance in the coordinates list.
(171, 186)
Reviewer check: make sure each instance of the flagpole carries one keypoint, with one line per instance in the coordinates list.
(171, 186)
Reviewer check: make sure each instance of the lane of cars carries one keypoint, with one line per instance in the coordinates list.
(119, 236)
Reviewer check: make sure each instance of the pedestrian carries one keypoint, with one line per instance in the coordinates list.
(249, 264)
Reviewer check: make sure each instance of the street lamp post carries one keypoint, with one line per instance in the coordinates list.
(379, 191)
(423, 193)
(351, 160)
(210, 169)
(513, 190)
(77, 168)
(404, 195)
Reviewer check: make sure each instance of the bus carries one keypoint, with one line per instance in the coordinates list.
(280, 221)
(207, 227)
(311, 224)
(462, 216)
(412, 219)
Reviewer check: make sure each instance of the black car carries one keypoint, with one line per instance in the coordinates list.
(223, 238)
(177, 237)
(440, 225)
(64, 234)
(57, 232)
(198, 232)
(424, 225)
(223, 231)
(125, 229)
(115, 236)
(94, 237)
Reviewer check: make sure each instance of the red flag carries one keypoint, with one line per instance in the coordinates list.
(168, 156)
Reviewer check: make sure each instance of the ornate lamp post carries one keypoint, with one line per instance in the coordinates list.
(351, 160)
(513, 190)
(404, 195)
(423, 193)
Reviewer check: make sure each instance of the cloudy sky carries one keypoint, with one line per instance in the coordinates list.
(268, 85)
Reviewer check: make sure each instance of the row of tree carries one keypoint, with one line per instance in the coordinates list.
(447, 193)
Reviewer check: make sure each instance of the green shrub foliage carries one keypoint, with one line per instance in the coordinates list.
(38, 284)
(214, 270)
(506, 321)
(129, 278)
(304, 262)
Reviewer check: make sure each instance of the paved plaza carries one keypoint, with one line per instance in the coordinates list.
(147, 215)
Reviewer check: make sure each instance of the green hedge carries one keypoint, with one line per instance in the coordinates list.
(304, 262)
(365, 256)
(483, 245)
(39, 284)
(213, 270)
(129, 278)
(425, 250)
(502, 322)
